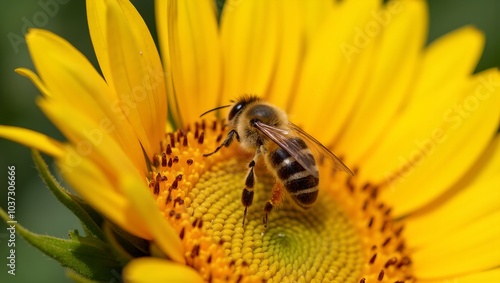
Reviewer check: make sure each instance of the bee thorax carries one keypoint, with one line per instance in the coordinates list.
(266, 114)
(250, 137)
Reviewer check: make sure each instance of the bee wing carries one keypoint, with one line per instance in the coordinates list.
(282, 138)
(321, 150)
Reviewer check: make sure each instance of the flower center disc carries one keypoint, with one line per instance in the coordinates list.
(347, 236)
(297, 245)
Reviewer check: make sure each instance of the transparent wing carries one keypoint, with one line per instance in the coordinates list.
(323, 152)
(283, 138)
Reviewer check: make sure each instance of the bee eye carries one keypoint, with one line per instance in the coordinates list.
(235, 110)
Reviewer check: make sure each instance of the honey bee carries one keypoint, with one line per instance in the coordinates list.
(264, 129)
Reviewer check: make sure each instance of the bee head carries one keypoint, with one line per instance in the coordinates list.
(239, 105)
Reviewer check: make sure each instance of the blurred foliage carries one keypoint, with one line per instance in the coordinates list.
(447, 15)
(36, 208)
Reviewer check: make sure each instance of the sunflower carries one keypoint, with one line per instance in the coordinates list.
(414, 124)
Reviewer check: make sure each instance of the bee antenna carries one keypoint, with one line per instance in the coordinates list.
(213, 109)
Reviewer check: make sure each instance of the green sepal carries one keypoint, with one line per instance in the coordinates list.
(156, 251)
(117, 277)
(88, 256)
(120, 252)
(90, 219)
(135, 246)
(78, 278)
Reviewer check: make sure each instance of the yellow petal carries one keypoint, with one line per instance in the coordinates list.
(32, 139)
(412, 126)
(477, 197)
(290, 48)
(195, 56)
(314, 13)
(477, 277)
(102, 151)
(163, 15)
(163, 233)
(154, 77)
(98, 26)
(95, 187)
(89, 136)
(137, 73)
(398, 33)
(96, 18)
(476, 201)
(158, 270)
(65, 72)
(471, 117)
(122, 196)
(124, 182)
(488, 166)
(71, 78)
(249, 38)
(473, 248)
(325, 70)
(35, 80)
(449, 58)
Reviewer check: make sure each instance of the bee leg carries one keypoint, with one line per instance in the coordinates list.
(246, 199)
(247, 195)
(276, 200)
(227, 142)
(267, 209)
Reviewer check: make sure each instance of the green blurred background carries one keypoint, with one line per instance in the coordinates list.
(36, 208)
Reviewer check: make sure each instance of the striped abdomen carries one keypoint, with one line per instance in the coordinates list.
(301, 184)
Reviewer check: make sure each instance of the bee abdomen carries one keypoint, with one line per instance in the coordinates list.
(288, 169)
(304, 191)
(301, 185)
